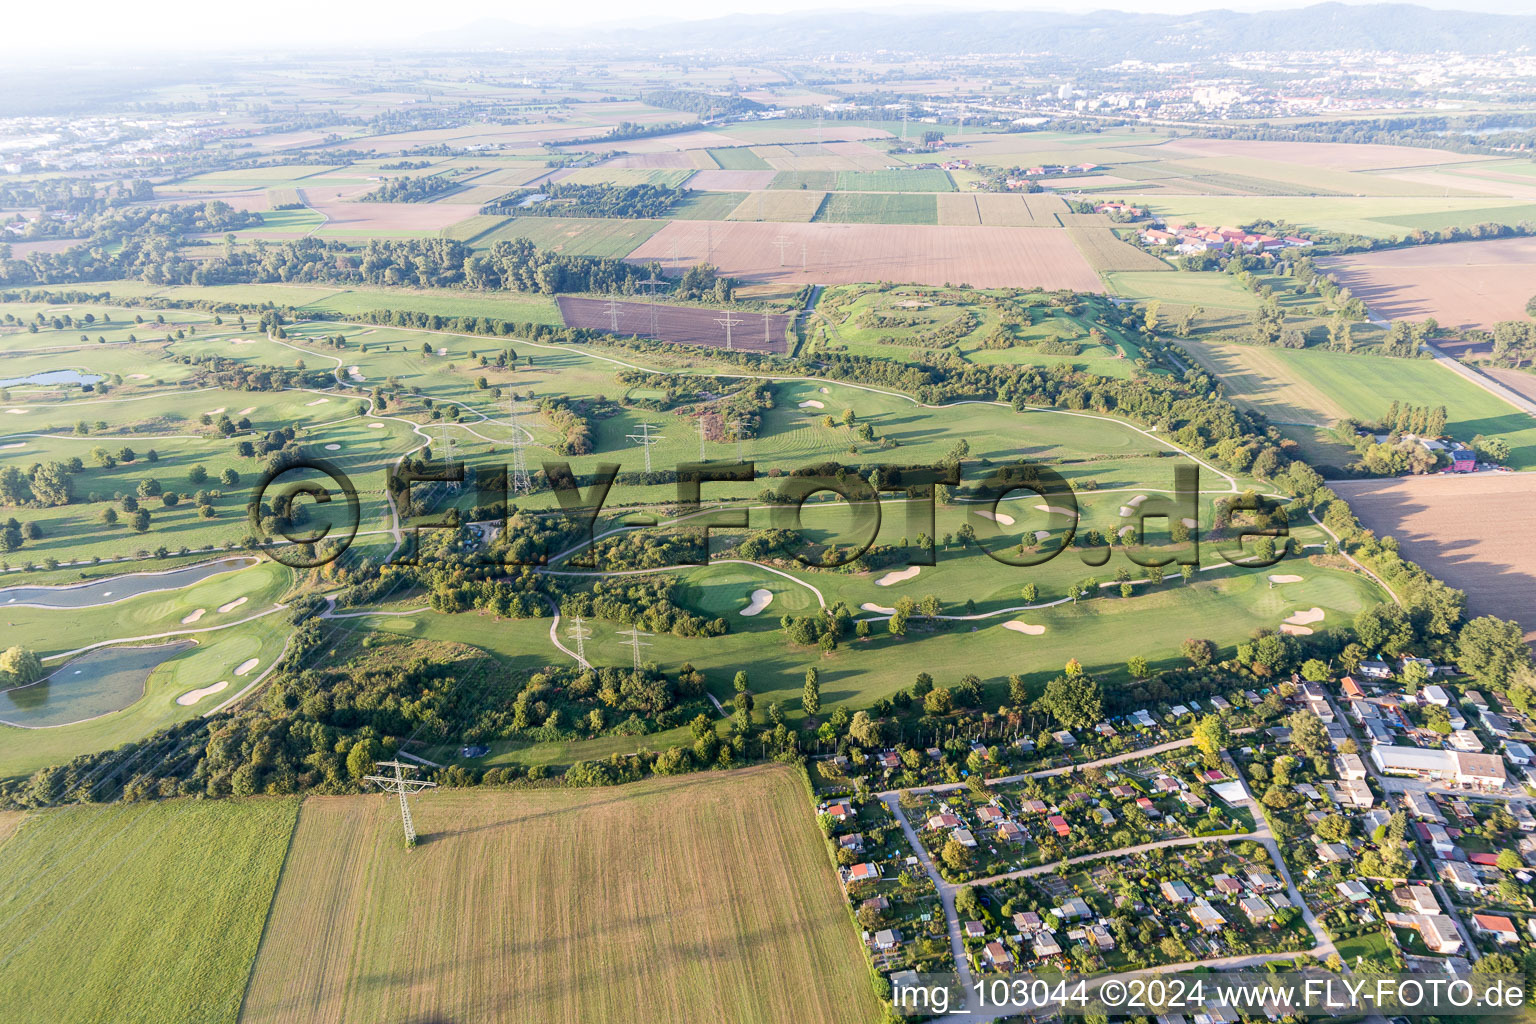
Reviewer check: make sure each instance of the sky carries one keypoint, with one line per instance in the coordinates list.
(224, 25)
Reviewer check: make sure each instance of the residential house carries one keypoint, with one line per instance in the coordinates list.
(887, 939)
(1059, 823)
(1122, 791)
(1206, 917)
(1453, 767)
(963, 837)
(1064, 738)
(1466, 740)
(1434, 694)
(1375, 670)
(1262, 881)
(1351, 689)
(1008, 832)
(1437, 837)
(839, 812)
(1075, 909)
(975, 929)
(852, 841)
(1349, 766)
(1027, 922)
(1421, 805)
(1333, 853)
(1191, 801)
(1475, 698)
(1176, 892)
(1497, 927)
(1045, 945)
(1518, 752)
(1438, 931)
(990, 814)
(1460, 876)
(998, 957)
(1355, 891)
(866, 872)
(1227, 885)
(1417, 899)
(1106, 816)
(1148, 808)
(1497, 724)
(1357, 794)
(1256, 910)
(944, 820)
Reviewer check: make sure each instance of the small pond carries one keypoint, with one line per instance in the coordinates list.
(96, 683)
(118, 588)
(47, 377)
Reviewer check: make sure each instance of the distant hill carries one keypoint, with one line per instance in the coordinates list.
(1405, 28)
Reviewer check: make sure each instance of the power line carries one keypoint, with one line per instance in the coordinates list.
(581, 634)
(398, 783)
(728, 322)
(521, 484)
(634, 642)
(613, 314)
(645, 439)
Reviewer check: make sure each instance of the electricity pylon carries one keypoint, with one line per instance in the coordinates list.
(398, 783)
(634, 642)
(728, 322)
(645, 439)
(520, 481)
(581, 634)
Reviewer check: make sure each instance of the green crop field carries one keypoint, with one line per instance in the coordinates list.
(878, 208)
(707, 205)
(644, 917)
(1319, 387)
(138, 911)
(1373, 216)
(738, 158)
(917, 180)
(817, 181)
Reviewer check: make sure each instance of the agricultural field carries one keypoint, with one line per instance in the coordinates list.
(895, 181)
(738, 158)
(1317, 388)
(702, 205)
(1104, 250)
(769, 205)
(644, 916)
(1460, 284)
(1468, 530)
(850, 253)
(754, 332)
(576, 236)
(878, 208)
(149, 911)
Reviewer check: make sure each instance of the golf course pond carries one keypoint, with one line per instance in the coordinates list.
(47, 377)
(118, 588)
(94, 684)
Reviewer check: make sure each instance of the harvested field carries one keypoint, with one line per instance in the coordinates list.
(680, 160)
(774, 205)
(958, 210)
(1469, 530)
(849, 253)
(1460, 284)
(1105, 251)
(1334, 156)
(382, 218)
(822, 181)
(731, 180)
(1000, 209)
(576, 236)
(684, 325)
(664, 900)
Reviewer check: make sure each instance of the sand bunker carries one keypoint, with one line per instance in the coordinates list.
(442, 351)
(1042, 534)
(231, 606)
(1126, 510)
(898, 577)
(1285, 579)
(246, 412)
(193, 696)
(15, 412)
(1057, 509)
(14, 444)
(825, 391)
(188, 620)
(246, 666)
(356, 373)
(375, 426)
(1189, 522)
(760, 599)
(882, 609)
(138, 376)
(1294, 630)
(333, 447)
(366, 333)
(996, 517)
(1126, 530)
(318, 401)
(242, 341)
(1307, 617)
(1137, 500)
(1020, 626)
(811, 403)
(215, 412)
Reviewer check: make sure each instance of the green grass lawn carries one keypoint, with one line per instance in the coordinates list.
(878, 208)
(146, 912)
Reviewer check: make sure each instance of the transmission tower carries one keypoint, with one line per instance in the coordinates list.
(645, 439)
(781, 241)
(767, 337)
(701, 440)
(613, 314)
(520, 482)
(449, 454)
(728, 322)
(802, 257)
(399, 783)
(581, 634)
(634, 642)
(650, 285)
(736, 429)
(820, 120)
